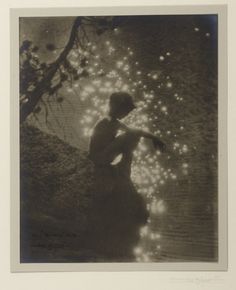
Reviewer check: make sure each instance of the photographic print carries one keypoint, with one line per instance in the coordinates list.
(118, 125)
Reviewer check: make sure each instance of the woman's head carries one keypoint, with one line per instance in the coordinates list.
(120, 104)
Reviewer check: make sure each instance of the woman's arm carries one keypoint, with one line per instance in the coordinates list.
(157, 143)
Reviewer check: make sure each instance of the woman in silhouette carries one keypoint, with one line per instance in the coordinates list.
(119, 211)
(105, 145)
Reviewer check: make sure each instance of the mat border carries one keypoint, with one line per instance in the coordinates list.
(222, 264)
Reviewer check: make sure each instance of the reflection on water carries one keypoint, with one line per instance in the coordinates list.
(149, 246)
(182, 203)
(147, 236)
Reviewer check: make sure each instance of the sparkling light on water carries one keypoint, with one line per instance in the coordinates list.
(147, 172)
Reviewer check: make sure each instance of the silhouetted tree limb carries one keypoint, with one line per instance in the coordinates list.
(37, 79)
(45, 83)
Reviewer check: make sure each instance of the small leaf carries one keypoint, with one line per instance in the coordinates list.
(25, 45)
(64, 77)
(35, 49)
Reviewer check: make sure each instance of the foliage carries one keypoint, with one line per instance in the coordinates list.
(38, 78)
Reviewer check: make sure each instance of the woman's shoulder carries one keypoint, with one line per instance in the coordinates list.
(107, 122)
(106, 126)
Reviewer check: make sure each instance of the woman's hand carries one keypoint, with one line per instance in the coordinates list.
(158, 144)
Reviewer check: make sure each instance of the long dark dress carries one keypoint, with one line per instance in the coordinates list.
(118, 213)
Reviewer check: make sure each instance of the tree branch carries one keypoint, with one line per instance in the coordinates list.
(44, 84)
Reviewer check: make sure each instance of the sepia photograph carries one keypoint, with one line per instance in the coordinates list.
(118, 138)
